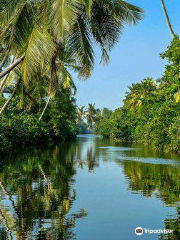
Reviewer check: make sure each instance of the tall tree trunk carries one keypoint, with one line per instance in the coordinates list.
(53, 83)
(3, 62)
(44, 109)
(12, 66)
(7, 102)
(167, 18)
(5, 78)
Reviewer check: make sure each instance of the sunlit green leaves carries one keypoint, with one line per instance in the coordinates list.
(38, 54)
(177, 97)
(63, 15)
(88, 7)
(19, 26)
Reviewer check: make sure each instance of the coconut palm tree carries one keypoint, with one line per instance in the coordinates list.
(60, 76)
(37, 32)
(167, 18)
(32, 29)
(91, 111)
(81, 113)
(140, 93)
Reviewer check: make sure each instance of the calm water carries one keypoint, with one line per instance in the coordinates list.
(90, 189)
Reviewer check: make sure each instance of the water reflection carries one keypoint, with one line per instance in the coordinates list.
(151, 173)
(37, 192)
(37, 189)
(162, 181)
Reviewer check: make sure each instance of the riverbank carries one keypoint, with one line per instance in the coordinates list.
(151, 109)
(26, 131)
(20, 126)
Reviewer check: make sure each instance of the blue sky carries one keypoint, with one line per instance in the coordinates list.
(134, 58)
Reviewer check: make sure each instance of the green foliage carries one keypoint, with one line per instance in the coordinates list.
(151, 109)
(174, 134)
(5, 145)
(61, 116)
(172, 69)
(20, 127)
(23, 129)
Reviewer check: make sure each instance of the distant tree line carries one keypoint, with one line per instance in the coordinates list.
(151, 109)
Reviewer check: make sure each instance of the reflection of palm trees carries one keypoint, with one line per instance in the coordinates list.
(161, 181)
(90, 159)
(5, 224)
(40, 192)
(9, 197)
(87, 155)
(172, 224)
(42, 199)
(45, 179)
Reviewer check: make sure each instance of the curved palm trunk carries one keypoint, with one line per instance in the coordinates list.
(5, 79)
(44, 109)
(7, 103)
(167, 18)
(12, 66)
(3, 82)
(53, 83)
(3, 62)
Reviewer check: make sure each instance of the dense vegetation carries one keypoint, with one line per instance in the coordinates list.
(41, 44)
(151, 108)
(20, 127)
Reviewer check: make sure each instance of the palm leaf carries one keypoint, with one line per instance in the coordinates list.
(79, 43)
(123, 11)
(67, 81)
(88, 7)
(19, 27)
(63, 15)
(38, 54)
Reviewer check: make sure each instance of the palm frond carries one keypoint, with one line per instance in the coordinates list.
(79, 43)
(38, 54)
(105, 29)
(123, 11)
(67, 80)
(19, 27)
(108, 18)
(88, 7)
(63, 15)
